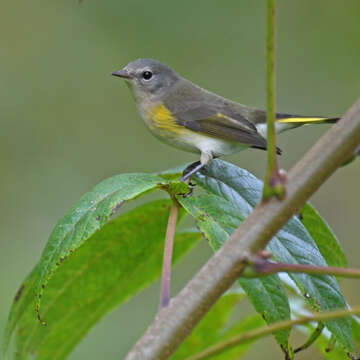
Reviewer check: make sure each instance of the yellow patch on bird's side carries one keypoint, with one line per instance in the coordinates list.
(301, 120)
(162, 119)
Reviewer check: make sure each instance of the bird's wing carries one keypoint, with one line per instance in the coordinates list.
(221, 122)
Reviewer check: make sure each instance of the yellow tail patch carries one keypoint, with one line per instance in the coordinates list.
(301, 120)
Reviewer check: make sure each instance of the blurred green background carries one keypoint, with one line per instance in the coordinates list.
(66, 124)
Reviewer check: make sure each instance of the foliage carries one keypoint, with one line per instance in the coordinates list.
(95, 261)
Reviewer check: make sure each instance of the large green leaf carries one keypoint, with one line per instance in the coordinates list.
(268, 296)
(246, 324)
(217, 218)
(293, 244)
(111, 266)
(209, 329)
(93, 210)
(324, 237)
(355, 322)
(213, 328)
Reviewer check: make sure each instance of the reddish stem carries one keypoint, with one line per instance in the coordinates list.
(168, 250)
(265, 267)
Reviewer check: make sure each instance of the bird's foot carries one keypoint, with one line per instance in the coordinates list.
(191, 190)
(191, 170)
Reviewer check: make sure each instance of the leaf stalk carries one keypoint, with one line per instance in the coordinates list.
(168, 251)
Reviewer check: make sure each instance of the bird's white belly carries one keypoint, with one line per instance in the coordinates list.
(199, 143)
(279, 128)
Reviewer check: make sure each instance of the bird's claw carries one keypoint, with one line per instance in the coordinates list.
(191, 190)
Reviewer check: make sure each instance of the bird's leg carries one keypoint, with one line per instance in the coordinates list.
(193, 168)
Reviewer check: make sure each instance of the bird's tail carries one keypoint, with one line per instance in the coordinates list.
(302, 120)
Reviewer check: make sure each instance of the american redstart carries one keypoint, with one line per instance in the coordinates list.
(188, 117)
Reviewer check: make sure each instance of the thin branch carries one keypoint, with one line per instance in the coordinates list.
(273, 181)
(168, 250)
(270, 89)
(263, 267)
(270, 329)
(176, 321)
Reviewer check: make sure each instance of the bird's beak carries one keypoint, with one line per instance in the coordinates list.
(121, 73)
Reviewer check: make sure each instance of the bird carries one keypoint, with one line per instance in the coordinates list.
(186, 116)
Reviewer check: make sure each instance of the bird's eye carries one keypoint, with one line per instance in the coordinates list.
(147, 75)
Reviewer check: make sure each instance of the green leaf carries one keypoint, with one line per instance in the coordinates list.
(217, 218)
(355, 322)
(24, 296)
(110, 267)
(268, 296)
(293, 244)
(330, 350)
(213, 328)
(93, 210)
(208, 331)
(173, 173)
(324, 237)
(248, 323)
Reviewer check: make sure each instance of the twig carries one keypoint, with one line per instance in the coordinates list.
(176, 321)
(270, 329)
(263, 267)
(168, 250)
(273, 184)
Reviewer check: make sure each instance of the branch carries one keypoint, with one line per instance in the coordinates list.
(168, 250)
(261, 267)
(273, 184)
(173, 323)
(270, 329)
